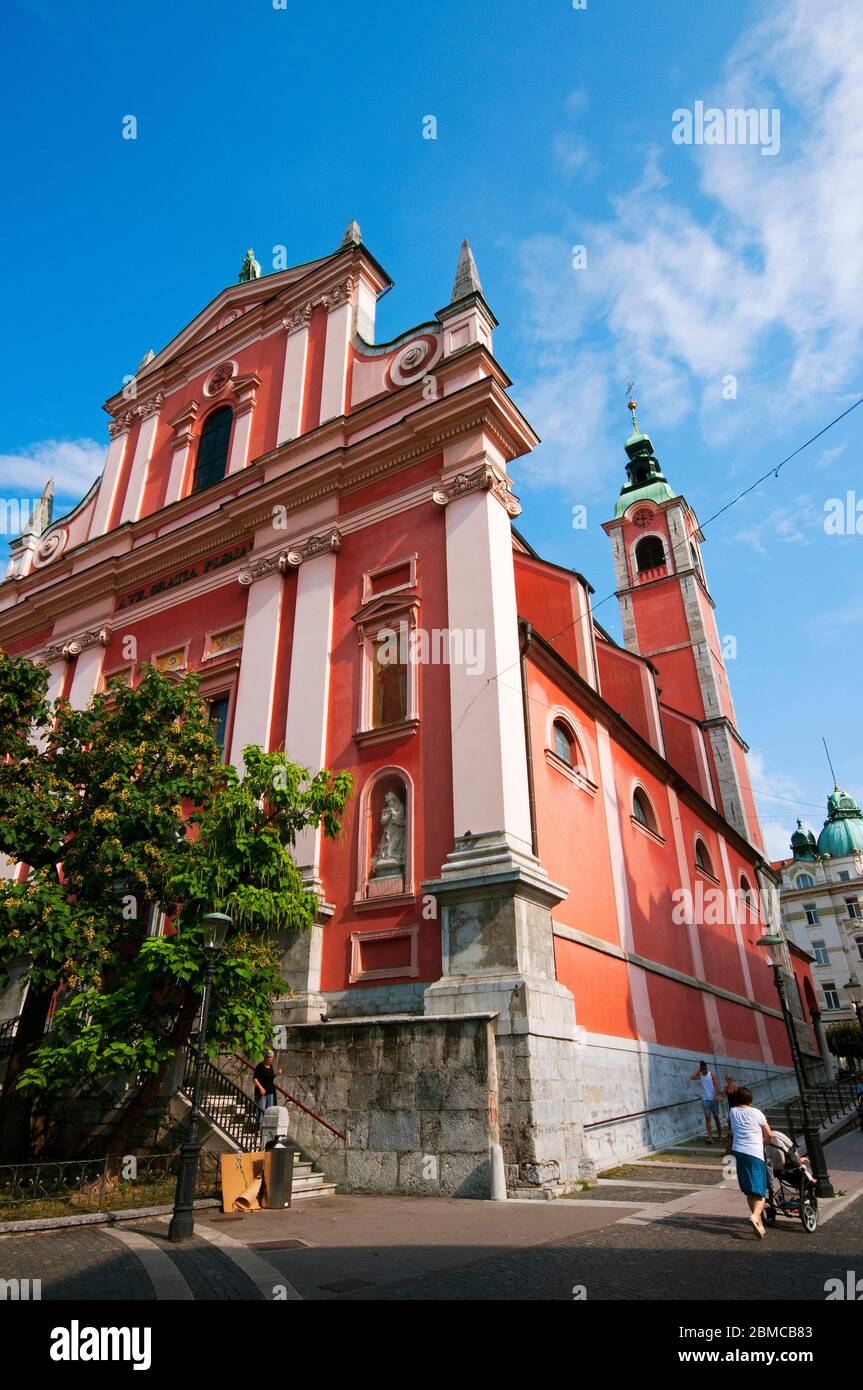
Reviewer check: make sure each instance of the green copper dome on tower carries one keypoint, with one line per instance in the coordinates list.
(647, 481)
(843, 828)
(803, 844)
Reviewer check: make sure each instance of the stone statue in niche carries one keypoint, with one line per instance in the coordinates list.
(388, 860)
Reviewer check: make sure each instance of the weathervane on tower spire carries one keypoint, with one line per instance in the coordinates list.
(632, 405)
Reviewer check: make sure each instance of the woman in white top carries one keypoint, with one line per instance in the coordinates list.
(749, 1133)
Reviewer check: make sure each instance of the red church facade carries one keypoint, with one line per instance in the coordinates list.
(322, 527)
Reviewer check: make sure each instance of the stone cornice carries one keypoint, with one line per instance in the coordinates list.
(610, 948)
(304, 471)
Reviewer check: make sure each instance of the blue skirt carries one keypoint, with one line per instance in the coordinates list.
(751, 1175)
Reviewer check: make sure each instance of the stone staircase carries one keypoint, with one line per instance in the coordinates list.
(233, 1120)
(830, 1105)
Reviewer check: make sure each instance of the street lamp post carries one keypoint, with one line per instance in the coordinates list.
(774, 945)
(183, 1221)
(854, 990)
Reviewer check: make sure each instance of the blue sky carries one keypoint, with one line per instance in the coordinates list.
(263, 127)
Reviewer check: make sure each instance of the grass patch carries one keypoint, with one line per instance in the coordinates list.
(126, 1197)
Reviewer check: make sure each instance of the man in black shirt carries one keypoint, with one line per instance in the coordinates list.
(265, 1082)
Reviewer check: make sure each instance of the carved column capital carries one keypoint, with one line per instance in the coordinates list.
(152, 406)
(73, 646)
(297, 318)
(261, 566)
(327, 544)
(482, 479)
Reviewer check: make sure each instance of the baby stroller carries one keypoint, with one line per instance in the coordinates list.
(791, 1188)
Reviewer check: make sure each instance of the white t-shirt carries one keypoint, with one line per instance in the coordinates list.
(746, 1124)
(708, 1090)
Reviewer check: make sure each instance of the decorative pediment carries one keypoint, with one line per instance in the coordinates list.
(227, 307)
(383, 610)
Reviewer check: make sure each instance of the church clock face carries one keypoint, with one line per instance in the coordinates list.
(642, 517)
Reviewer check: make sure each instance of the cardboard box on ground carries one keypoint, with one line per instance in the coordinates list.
(246, 1176)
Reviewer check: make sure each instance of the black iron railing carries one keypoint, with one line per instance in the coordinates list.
(99, 1184)
(223, 1102)
(292, 1100)
(7, 1034)
(826, 1103)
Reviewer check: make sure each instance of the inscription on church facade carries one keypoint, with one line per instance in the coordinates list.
(214, 562)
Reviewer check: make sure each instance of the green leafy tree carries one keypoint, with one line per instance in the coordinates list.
(119, 809)
(845, 1040)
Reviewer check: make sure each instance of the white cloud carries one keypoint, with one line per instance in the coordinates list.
(781, 798)
(763, 281)
(74, 464)
(777, 839)
(798, 522)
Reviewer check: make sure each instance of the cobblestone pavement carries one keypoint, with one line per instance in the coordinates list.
(92, 1266)
(685, 1257)
(78, 1264)
(405, 1249)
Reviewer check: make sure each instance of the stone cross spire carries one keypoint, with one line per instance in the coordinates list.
(467, 279)
(40, 517)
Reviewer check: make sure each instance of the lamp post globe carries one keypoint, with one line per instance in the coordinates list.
(216, 926)
(854, 990)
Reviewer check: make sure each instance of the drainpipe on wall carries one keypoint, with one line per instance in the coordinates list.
(528, 747)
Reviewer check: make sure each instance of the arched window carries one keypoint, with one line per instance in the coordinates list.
(642, 810)
(649, 553)
(386, 835)
(564, 743)
(212, 457)
(748, 900)
(805, 881)
(702, 857)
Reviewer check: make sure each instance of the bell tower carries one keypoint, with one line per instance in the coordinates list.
(667, 615)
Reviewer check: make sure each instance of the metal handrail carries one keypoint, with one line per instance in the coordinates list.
(293, 1100)
(672, 1105)
(828, 1102)
(7, 1034)
(217, 1091)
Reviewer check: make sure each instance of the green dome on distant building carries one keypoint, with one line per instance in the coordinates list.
(843, 828)
(647, 482)
(803, 844)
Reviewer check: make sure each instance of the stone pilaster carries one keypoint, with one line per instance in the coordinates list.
(495, 902)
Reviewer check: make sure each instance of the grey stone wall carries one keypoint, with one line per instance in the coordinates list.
(416, 1097)
(650, 1084)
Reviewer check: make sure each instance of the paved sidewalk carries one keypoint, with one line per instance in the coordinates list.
(844, 1160)
(620, 1243)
